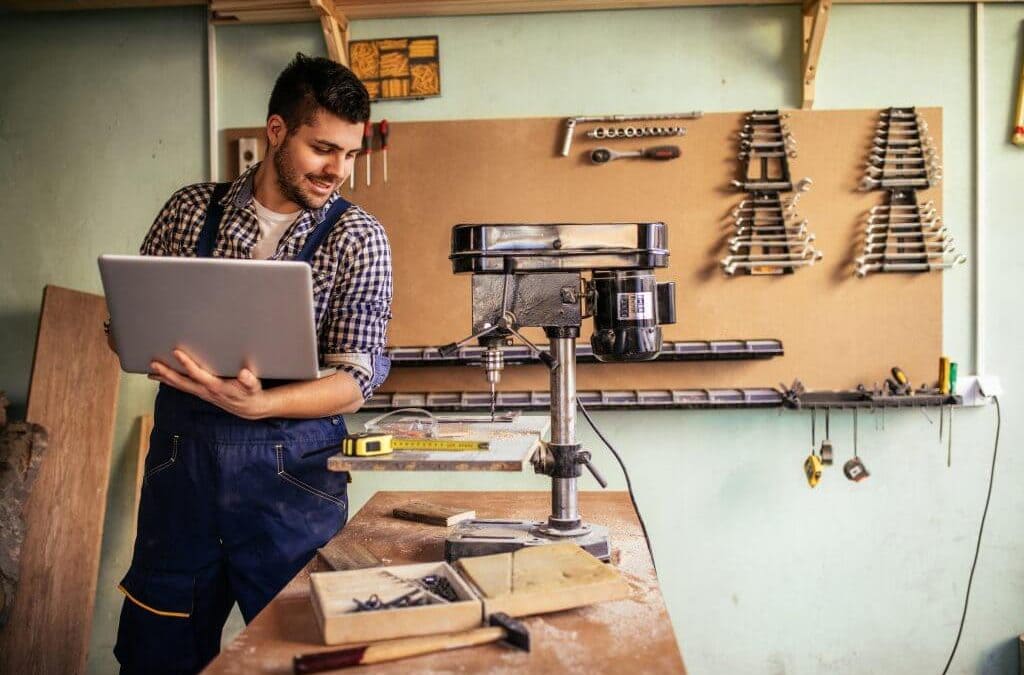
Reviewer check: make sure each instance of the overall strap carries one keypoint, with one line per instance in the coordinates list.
(317, 236)
(214, 213)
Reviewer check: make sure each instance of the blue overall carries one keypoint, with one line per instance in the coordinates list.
(231, 510)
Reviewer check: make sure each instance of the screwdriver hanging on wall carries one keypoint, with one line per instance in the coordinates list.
(384, 147)
(368, 147)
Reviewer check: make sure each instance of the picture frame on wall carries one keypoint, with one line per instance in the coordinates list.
(398, 68)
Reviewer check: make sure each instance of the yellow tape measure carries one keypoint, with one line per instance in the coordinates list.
(372, 444)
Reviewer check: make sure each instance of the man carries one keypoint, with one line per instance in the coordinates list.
(236, 496)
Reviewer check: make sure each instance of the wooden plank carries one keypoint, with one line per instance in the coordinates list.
(490, 574)
(628, 636)
(73, 393)
(512, 444)
(351, 556)
(433, 514)
(542, 579)
(145, 429)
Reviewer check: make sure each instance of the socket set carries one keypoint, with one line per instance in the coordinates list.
(904, 235)
(769, 238)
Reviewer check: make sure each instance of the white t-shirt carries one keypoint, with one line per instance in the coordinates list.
(272, 227)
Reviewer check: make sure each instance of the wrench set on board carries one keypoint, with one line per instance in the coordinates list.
(769, 238)
(904, 235)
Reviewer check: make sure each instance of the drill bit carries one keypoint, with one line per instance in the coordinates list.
(494, 398)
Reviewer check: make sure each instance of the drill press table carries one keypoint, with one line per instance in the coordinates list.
(512, 446)
(626, 636)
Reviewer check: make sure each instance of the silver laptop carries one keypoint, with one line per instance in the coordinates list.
(228, 314)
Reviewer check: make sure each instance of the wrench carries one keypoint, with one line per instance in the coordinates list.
(864, 270)
(798, 262)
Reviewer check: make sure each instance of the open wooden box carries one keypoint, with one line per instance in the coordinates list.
(532, 580)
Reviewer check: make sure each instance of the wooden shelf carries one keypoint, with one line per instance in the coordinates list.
(261, 11)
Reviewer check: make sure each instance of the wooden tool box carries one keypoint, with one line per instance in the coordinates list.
(529, 581)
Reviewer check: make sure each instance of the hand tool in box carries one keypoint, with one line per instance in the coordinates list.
(502, 627)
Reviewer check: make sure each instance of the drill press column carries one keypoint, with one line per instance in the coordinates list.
(564, 501)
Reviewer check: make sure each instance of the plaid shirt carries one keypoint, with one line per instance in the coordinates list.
(351, 268)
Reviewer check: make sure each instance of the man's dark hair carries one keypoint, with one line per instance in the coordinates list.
(310, 83)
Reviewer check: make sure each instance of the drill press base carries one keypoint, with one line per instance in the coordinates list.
(484, 537)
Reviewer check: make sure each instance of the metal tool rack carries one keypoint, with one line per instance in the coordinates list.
(769, 237)
(904, 235)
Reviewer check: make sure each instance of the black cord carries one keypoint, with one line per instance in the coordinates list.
(629, 484)
(981, 529)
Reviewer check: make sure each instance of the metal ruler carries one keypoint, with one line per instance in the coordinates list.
(438, 445)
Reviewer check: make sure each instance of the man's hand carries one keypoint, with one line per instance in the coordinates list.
(242, 396)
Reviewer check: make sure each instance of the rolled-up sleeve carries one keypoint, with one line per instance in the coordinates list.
(357, 317)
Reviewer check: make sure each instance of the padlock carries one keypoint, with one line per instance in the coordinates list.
(812, 469)
(855, 470)
(826, 452)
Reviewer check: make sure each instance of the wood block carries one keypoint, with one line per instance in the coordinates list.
(491, 575)
(433, 514)
(73, 393)
(546, 578)
(352, 556)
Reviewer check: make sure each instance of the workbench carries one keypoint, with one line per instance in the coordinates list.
(627, 636)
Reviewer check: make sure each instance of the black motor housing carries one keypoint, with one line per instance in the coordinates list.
(628, 306)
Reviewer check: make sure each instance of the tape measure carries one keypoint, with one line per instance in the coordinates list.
(372, 444)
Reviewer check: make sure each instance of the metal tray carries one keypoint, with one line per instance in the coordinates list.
(505, 248)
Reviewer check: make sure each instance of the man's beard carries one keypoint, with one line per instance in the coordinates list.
(288, 180)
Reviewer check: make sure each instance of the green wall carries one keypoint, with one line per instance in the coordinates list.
(104, 114)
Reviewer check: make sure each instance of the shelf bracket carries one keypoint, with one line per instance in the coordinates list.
(335, 27)
(815, 20)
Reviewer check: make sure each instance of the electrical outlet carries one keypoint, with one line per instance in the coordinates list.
(977, 389)
(248, 153)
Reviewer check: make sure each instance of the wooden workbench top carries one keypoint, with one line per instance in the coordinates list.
(628, 636)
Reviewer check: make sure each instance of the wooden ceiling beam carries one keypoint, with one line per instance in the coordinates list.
(268, 11)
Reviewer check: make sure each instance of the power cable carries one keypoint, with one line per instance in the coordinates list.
(981, 529)
(629, 484)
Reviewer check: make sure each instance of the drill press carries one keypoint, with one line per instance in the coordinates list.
(532, 275)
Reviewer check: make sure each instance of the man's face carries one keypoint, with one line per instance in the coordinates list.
(316, 159)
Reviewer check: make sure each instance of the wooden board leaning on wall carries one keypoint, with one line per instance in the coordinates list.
(837, 330)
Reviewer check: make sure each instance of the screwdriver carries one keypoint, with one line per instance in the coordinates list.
(661, 152)
(384, 147)
(368, 147)
(899, 383)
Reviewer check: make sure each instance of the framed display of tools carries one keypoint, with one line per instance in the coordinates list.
(397, 68)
